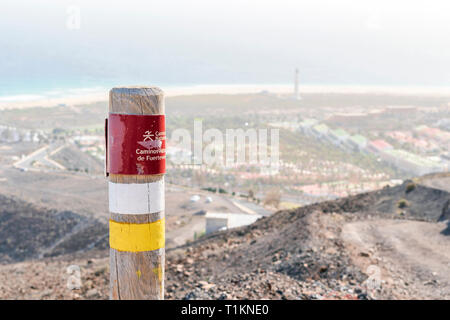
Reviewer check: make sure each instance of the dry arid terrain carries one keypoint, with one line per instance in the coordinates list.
(388, 244)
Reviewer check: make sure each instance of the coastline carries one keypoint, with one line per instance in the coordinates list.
(86, 96)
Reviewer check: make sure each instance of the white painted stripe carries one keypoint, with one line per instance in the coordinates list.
(136, 198)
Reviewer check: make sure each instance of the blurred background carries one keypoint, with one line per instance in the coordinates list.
(360, 94)
(55, 45)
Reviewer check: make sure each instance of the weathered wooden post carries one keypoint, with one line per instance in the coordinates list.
(136, 144)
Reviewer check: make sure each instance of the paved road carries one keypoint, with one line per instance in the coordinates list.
(250, 207)
(41, 156)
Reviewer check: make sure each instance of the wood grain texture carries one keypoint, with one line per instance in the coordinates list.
(131, 178)
(141, 275)
(136, 275)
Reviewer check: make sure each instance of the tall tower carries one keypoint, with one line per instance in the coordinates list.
(296, 90)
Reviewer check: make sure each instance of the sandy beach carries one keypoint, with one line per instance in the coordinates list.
(86, 96)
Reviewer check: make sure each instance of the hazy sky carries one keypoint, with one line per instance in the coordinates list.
(186, 42)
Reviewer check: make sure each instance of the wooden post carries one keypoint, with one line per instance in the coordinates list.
(136, 199)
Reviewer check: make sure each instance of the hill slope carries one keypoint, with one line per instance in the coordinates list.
(325, 250)
(27, 231)
(302, 253)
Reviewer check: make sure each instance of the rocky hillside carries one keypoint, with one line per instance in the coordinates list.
(294, 254)
(74, 159)
(298, 253)
(445, 212)
(30, 232)
(410, 200)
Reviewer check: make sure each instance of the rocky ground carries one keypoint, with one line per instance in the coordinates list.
(360, 247)
(293, 255)
(412, 257)
(30, 232)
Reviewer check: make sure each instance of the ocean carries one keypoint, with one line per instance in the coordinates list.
(53, 49)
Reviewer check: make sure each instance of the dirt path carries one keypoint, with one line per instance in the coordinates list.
(413, 257)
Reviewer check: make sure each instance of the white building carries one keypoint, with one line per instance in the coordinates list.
(222, 221)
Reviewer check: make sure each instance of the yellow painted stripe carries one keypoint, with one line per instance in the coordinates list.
(137, 237)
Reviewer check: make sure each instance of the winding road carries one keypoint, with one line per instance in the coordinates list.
(41, 156)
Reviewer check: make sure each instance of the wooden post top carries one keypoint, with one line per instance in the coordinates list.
(136, 100)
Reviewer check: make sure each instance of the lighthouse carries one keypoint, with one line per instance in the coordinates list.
(296, 90)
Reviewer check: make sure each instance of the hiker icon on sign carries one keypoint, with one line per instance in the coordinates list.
(148, 135)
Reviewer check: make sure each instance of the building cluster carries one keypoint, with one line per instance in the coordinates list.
(423, 139)
(91, 144)
(12, 135)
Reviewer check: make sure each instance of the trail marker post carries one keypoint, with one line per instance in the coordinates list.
(135, 165)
